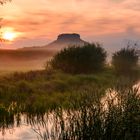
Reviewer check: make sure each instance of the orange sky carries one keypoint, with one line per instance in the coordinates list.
(38, 22)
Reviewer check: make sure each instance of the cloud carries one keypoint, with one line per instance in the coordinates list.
(87, 17)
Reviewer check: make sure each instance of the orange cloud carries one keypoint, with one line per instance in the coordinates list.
(47, 18)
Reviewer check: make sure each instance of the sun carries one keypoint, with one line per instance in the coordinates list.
(9, 35)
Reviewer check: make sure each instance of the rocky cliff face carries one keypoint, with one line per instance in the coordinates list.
(68, 37)
(66, 40)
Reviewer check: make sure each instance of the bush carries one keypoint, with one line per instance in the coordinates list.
(76, 59)
(125, 60)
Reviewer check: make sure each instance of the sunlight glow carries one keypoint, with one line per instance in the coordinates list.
(9, 36)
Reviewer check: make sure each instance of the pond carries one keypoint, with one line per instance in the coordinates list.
(57, 123)
(19, 133)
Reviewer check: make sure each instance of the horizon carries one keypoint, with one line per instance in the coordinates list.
(110, 22)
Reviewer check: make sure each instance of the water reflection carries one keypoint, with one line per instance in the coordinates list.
(19, 133)
(60, 123)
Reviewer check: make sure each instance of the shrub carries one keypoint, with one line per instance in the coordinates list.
(125, 60)
(76, 59)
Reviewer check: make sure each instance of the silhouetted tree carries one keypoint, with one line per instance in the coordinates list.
(125, 60)
(3, 1)
(76, 59)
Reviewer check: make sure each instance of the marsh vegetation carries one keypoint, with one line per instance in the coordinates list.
(73, 104)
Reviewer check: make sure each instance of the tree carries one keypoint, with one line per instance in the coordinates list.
(3, 1)
(125, 60)
(76, 59)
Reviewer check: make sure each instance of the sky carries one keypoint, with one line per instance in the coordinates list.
(113, 23)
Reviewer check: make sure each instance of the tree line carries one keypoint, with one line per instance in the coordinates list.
(91, 58)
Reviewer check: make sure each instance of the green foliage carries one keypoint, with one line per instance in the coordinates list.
(125, 60)
(35, 93)
(33, 87)
(75, 59)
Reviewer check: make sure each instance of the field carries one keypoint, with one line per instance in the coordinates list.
(99, 105)
(36, 93)
(23, 60)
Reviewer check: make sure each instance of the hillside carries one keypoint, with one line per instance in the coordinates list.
(33, 58)
(62, 41)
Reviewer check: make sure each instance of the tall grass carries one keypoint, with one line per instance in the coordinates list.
(74, 102)
(89, 120)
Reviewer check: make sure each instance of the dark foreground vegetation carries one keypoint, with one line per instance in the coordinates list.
(87, 114)
(125, 61)
(87, 59)
(92, 58)
(72, 96)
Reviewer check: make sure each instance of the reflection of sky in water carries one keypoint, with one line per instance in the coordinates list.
(21, 133)
(27, 133)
